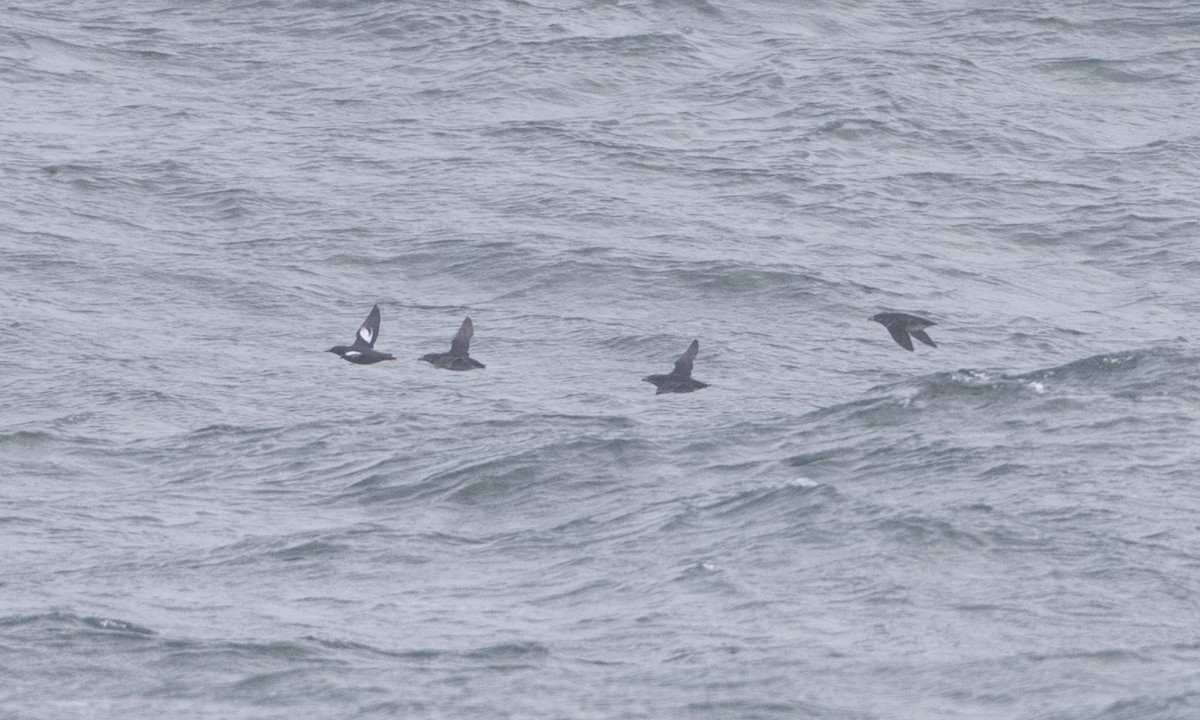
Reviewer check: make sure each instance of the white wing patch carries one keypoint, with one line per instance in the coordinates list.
(366, 334)
(353, 354)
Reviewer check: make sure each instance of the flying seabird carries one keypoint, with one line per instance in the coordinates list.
(902, 325)
(363, 351)
(457, 358)
(680, 379)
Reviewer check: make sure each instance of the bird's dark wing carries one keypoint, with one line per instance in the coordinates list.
(683, 366)
(920, 335)
(461, 343)
(368, 332)
(900, 335)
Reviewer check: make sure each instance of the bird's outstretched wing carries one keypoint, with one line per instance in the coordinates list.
(920, 335)
(683, 366)
(899, 334)
(461, 343)
(368, 332)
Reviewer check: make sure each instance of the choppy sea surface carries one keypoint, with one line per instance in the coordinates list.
(203, 514)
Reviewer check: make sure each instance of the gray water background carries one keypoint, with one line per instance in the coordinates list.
(202, 514)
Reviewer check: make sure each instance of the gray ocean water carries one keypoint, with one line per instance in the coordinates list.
(205, 515)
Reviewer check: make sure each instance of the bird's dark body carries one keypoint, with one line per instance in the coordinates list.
(452, 362)
(459, 356)
(903, 327)
(680, 379)
(363, 356)
(671, 383)
(363, 351)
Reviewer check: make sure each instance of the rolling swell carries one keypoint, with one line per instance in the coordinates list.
(202, 513)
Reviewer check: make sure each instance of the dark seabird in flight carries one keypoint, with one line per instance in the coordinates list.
(363, 351)
(680, 379)
(902, 325)
(457, 358)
